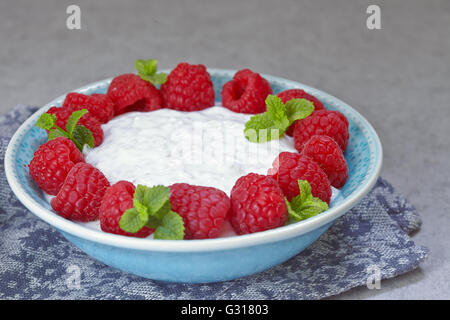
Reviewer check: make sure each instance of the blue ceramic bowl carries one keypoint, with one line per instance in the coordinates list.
(201, 260)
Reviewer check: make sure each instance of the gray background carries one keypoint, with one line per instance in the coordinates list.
(397, 77)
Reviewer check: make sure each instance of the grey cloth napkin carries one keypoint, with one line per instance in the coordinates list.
(368, 243)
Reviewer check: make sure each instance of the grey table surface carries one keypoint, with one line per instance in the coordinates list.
(397, 77)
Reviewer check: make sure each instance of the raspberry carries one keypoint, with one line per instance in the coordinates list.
(98, 105)
(204, 209)
(257, 204)
(290, 94)
(52, 162)
(243, 75)
(327, 153)
(246, 93)
(188, 88)
(81, 194)
(131, 93)
(89, 121)
(117, 199)
(322, 122)
(290, 167)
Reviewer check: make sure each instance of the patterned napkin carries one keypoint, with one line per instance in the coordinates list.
(370, 241)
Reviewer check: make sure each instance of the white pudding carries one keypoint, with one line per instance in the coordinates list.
(206, 148)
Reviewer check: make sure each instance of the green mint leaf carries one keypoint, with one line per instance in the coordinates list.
(297, 109)
(153, 222)
(158, 78)
(161, 212)
(261, 128)
(131, 221)
(151, 208)
(139, 193)
(154, 198)
(148, 67)
(147, 71)
(139, 202)
(304, 205)
(155, 219)
(82, 136)
(305, 190)
(79, 134)
(73, 119)
(153, 202)
(277, 112)
(313, 207)
(46, 121)
(273, 123)
(171, 227)
(157, 197)
(293, 215)
(141, 209)
(56, 133)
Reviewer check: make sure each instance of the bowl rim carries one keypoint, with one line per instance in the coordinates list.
(226, 243)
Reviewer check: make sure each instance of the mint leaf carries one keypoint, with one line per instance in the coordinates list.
(154, 201)
(155, 219)
(297, 109)
(146, 66)
(158, 78)
(277, 112)
(293, 215)
(154, 198)
(313, 207)
(147, 71)
(304, 205)
(82, 135)
(139, 193)
(157, 197)
(56, 133)
(153, 222)
(141, 209)
(161, 212)
(261, 128)
(46, 121)
(171, 227)
(305, 191)
(278, 116)
(73, 119)
(79, 134)
(151, 208)
(131, 221)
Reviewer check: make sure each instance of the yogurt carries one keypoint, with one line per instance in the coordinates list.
(165, 146)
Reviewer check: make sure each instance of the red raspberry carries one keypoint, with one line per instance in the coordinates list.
(327, 153)
(89, 121)
(290, 167)
(131, 93)
(117, 199)
(322, 122)
(52, 162)
(98, 105)
(203, 209)
(246, 93)
(243, 75)
(290, 94)
(81, 194)
(188, 88)
(257, 204)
